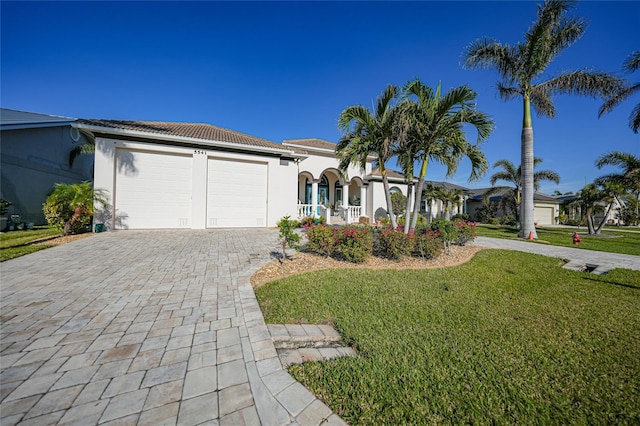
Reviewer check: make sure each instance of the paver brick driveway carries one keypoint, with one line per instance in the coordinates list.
(144, 327)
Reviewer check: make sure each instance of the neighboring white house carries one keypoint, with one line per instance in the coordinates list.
(545, 207)
(34, 153)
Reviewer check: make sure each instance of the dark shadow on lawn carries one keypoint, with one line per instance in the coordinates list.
(611, 282)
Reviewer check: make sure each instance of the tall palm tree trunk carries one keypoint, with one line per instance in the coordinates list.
(419, 187)
(590, 226)
(526, 163)
(407, 216)
(387, 196)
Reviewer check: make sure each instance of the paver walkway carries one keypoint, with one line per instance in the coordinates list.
(145, 327)
(604, 260)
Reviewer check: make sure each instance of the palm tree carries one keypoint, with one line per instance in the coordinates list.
(449, 197)
(366, 134)
(512, 197)
(629, 179)
(435, 129)
(521, 68)
(631, 64)
(589, 198)
(80, 198)
(406, 152)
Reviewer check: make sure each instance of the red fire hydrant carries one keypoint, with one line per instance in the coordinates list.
(576, 238)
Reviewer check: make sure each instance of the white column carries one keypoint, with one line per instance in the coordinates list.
(345, 201)
(345, 195)
(314, 198)
(363, 201)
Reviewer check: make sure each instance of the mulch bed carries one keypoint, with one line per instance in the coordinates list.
(306, 262)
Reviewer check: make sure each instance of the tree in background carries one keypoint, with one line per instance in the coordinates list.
(628, 179)
(593, 199)
(449, 197)
(511, 197)
(521, 68)
(631, 64)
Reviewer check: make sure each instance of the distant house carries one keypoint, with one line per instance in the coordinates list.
(546, 208)
(34, 155)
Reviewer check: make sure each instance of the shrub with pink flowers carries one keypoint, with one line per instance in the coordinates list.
(428, 245)
(393, 243)
(466, 231)
(321, 239)
(353, 243)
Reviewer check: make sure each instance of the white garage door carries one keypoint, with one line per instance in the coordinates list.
(152, 190)
(236, 194)
(543, 215)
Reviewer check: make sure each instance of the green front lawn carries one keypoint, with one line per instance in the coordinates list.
(610, 240)
(508, 338)
(16, 243)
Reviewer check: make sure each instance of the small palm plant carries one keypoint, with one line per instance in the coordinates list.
(72, 204)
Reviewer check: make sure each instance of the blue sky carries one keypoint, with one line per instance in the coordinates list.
(285, 70)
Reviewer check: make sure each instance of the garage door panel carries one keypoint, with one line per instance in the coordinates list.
(236, 193)
(157, 193)
(543, 215)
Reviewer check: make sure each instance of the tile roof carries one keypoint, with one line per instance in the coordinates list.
(311, 143)
(201, 131)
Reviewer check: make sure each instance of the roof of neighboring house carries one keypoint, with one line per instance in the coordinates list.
(311, 143)
(396, 175)
(391, 174)
(205, 132)
(447, 185)
(478, 194)
(14, 119)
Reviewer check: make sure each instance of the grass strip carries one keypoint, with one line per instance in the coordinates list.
(610, 240)
(18, 243)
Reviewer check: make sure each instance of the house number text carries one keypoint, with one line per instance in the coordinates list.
(198, 151)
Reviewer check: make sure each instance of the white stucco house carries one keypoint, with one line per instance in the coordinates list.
(192, 175)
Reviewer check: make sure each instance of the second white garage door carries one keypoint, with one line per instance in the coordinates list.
(543, 215)
(236, 194)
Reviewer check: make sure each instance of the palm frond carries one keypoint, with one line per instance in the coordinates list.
(548, 175)
(618, 97)
(508, 93)
(584, 82)
(634, 119)
(632, 63)
(488, 53)
(542, 103)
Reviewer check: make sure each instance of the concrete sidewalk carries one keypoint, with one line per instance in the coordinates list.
(145, 327)
(604, 260)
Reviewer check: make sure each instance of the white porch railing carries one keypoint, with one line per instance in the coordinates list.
(350, 214)
(305, 210)
(326, 213)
